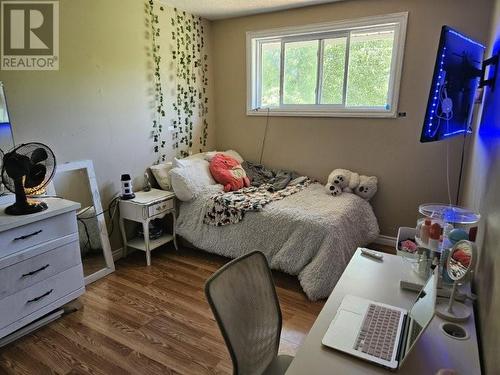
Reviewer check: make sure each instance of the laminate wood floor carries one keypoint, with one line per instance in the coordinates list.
(149, 320)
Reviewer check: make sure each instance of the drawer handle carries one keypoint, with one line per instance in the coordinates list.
(28, 235)
(35, 271)
(36, 299)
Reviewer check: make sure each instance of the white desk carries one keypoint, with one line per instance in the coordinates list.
(379, 281)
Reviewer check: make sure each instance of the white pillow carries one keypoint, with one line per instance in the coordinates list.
(188, 181)
(189, 160)
(180, 163)
(160, 172)
(232, 153)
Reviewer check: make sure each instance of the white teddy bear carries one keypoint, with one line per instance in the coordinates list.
(333, 189)
(344, 180)
(367, 187)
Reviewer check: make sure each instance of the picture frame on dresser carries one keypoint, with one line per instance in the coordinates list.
(77, 181)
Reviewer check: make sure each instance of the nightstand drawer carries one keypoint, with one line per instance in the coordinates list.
(33, 270)
(160, 207)
(29, 300)
(23, 237)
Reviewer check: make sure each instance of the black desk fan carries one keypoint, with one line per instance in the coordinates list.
(27, 169)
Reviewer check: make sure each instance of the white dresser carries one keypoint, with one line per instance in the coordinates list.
(40, 264)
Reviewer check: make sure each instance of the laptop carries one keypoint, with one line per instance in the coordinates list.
(380, 333)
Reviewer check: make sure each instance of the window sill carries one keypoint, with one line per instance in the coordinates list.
(317, 113)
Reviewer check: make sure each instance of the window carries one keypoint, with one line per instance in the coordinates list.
(347, 68)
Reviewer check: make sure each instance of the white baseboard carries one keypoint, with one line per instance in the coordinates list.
(117, 254)
(381, 240)
(386, 240)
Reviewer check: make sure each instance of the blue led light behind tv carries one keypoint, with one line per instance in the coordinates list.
(459, 63)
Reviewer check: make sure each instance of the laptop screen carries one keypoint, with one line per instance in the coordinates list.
(420, 314)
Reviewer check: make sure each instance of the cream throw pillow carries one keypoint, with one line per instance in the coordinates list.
(161, 174)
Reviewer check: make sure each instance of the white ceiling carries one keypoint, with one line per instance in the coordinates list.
(218, 9)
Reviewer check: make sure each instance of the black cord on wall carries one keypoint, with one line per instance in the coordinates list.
(264, 138)
(462, 159)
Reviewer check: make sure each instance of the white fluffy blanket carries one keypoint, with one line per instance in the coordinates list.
(310, 234)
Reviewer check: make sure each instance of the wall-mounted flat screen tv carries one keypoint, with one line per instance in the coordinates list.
(456, 78)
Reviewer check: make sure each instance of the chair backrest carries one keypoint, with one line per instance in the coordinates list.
(244, 302)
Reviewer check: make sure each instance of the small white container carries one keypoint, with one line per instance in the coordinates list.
(403, 234)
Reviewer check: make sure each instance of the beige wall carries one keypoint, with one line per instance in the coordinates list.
(482, 192)
(98, 105)
(409, 172)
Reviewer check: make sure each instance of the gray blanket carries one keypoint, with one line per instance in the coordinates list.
(310, 234)
(259, 175)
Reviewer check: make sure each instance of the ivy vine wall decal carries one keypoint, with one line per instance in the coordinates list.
(159, 111)
(192, 80)
(179, 67)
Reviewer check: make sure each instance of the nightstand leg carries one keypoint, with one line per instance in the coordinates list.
(145, 227)
(173, 230)
(124, 236)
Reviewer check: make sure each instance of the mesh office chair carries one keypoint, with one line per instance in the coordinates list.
(244, 302)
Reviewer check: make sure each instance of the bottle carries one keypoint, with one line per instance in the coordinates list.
(422, 262)
(425, 231)
(434, 236)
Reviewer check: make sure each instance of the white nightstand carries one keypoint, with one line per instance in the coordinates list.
(147, 206)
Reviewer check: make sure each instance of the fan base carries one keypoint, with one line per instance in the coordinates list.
(26, 209)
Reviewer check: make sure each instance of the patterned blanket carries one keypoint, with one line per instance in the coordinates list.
(230, 208)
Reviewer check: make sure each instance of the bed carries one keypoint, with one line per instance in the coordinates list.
(309, 234)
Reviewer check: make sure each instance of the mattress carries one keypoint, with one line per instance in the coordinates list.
(310, 234)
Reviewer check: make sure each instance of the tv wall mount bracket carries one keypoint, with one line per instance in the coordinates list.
(490, 81)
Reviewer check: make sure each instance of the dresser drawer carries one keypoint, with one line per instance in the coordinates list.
(23, 237)
(160, 207)
(33, 270)
(27, 301)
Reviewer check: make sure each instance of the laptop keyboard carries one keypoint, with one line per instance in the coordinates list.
(377, 336)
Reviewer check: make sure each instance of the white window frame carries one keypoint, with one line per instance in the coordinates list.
(254, 40)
